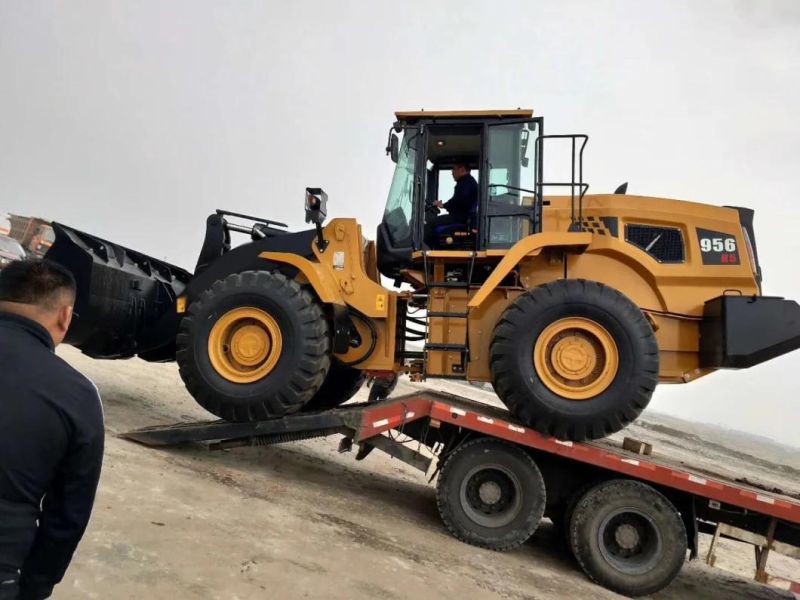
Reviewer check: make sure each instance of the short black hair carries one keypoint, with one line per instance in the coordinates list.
(39, 282)
(462, 163)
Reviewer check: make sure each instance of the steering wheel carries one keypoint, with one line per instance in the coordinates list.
(431, 210)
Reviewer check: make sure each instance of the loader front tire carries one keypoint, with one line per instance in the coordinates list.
(254, 346)
(574, 359)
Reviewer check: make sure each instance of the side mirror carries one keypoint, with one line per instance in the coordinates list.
(393, 147)
(316, 206)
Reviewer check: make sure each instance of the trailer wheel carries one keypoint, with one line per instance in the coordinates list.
(574, 359)
(562, 519)
(341, 383)
(253, 346)
(628, 537)
(490, 494)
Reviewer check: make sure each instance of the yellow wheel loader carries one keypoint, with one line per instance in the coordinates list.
(573, 305)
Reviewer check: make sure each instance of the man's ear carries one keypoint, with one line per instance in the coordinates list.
(64, 319)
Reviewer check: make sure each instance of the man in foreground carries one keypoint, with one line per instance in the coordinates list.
(51, 432)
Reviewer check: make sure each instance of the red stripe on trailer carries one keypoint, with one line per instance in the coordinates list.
(635, 467)
(392, 416)
(701, 483)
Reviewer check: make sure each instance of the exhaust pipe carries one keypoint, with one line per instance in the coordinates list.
(125, 304)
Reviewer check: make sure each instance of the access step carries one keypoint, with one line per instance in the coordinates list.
(447, 347)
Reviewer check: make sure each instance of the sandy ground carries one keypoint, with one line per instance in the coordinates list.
(302, 521)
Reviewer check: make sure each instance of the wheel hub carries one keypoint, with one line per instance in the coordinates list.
(244, 345)
(630, 541)
(489, 492)
(250, 345)
(576, 358)
(491, 495)
(627, 536)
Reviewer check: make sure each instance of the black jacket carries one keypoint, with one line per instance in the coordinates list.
(464, 203)
(51, 450)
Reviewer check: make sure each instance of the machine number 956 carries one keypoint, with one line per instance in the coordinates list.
(718, 248)
(718, 244)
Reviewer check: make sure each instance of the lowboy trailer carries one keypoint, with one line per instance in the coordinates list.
(628, 519)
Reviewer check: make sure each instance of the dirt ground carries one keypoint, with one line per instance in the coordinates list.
(302, 521)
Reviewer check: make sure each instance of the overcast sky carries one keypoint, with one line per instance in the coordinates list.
(135, 120)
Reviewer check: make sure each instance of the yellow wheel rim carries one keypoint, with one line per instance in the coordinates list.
(244, 345)
(576, 358)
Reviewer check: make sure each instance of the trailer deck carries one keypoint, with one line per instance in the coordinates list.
(417, 427)
(368, 420)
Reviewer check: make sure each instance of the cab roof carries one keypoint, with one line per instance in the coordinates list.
(417, 115)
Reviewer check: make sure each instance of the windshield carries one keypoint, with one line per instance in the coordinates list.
(9, 245)
(400, 204)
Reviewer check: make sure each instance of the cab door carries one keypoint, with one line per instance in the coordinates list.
(511, 172)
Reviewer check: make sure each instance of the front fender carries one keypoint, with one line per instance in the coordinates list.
(325, 286)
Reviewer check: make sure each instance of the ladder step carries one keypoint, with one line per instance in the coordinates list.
(460, 315)
(448, 284)
(449, 347)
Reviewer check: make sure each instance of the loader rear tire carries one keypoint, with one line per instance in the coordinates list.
(574, 359)
(253, 346)
(341, 383)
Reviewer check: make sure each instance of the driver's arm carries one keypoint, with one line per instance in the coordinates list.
(461, 201)
(465, 196)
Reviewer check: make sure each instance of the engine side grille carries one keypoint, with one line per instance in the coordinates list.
(665, 244)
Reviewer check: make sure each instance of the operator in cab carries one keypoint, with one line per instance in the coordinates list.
(462, 208)
(51, 432)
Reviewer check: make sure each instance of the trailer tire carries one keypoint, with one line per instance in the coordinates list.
(574, 359)
(341, 383)
(286, 331)
(628, 537)
(490, 494)
(561, 520)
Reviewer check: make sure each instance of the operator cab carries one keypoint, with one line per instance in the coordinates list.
(501, 150)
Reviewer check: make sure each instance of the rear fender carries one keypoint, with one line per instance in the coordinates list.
(531, 245)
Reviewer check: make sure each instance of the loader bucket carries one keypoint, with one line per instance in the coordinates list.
(125, 302)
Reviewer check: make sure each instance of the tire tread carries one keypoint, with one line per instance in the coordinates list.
(517, 397)
(303, 382)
